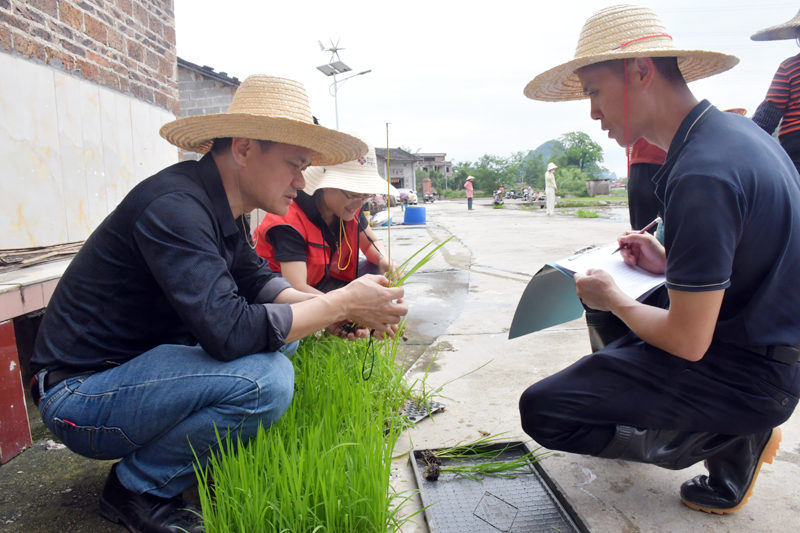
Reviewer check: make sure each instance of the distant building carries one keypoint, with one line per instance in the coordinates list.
(435, 161)
(401, 166)
(203, 92)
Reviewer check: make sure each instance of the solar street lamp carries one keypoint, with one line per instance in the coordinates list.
(335, 68)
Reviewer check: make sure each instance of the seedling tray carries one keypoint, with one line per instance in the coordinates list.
(525, 503)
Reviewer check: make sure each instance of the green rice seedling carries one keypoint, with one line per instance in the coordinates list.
(422, 395)
(587, 213)
(501, 206)
(405, 274)
(325, 465)
(486, 451)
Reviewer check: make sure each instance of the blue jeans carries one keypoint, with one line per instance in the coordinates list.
(159, 409)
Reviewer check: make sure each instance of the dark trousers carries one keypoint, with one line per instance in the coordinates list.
(791, 143)
(731, 391)
(469, 204)
(643, 205)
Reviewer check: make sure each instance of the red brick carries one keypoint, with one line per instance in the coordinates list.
(73, 48)
(161, 99)
(30, 14)
(126, 6)
(5, 39)
(175, 106)
(29, 48)
(120, 69)
(12, 19)
(165, 67)
(70, 15)
(88, 70)
(116, 40)
(151, 59)
(59, 28)
(97, 58)
(155, 24)
(124, 84)
(108, 78)
(135, 51)
(169, 35)
(95, 29)
(67, 62)
(43, 34)
(86, 7)
(45, 6)
(140, 14)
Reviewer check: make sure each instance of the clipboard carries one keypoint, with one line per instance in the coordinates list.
(550, 298)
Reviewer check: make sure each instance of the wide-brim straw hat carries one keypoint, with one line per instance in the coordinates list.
(787, 30)
(359, 176)
(470, 178)
(268, 109)
(620, 32)
(551, 166)
(733, 109)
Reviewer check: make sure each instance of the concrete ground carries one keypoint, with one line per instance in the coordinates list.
(462, 304)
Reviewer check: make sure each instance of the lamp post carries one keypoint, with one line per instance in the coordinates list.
(334, 68)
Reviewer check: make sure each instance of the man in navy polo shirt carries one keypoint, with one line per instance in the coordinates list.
(711, 377)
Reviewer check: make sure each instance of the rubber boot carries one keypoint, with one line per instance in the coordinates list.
(732, 474)
(674, 450)
(604, 328)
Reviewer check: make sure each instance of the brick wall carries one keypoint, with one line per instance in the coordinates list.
(126, 45)
(203, 92)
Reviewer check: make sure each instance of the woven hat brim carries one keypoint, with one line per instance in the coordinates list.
(197, 134)
(366, 182)
(781, 32)
(561, 84)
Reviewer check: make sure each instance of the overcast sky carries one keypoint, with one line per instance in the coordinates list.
(449, 75)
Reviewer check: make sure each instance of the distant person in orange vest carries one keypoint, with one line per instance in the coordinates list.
(315, 246)
(782, 104)
(468, 188)
(643, 205)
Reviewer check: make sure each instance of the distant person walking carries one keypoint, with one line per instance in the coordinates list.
(468, 188)
(550, 188)
(782, 104)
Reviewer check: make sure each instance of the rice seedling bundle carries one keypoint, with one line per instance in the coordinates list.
(325, 465)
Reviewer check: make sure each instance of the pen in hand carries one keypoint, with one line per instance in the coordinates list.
(641, 231)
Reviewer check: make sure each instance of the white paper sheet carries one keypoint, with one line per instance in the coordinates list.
(632, 280)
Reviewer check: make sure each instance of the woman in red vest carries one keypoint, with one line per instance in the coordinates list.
(315, 246)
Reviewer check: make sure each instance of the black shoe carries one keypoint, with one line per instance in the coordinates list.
(732, 474)
(145, 513)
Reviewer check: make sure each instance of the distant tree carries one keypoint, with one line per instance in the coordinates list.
(533, 169)
(577, 149)
(409, 150)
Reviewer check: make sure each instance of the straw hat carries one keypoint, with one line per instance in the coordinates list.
(551, 166)
(732, 109)
(787, 30)
(269, 109)
(470, 178)
(619, 32)
(359, 176)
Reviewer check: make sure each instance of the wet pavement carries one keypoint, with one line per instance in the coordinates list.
(462, 303)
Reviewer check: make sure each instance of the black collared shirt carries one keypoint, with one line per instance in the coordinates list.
(169, 265)
(732, 221)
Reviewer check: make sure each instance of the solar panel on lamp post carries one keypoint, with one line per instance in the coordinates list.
(334, 68)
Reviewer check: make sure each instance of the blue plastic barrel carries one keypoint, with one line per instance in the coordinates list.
(414, 215)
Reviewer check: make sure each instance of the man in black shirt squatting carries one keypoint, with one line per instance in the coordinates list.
(167, 324)
(710, 378)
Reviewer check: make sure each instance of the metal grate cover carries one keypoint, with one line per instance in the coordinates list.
(526, 503)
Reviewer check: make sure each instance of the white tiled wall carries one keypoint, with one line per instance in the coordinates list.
(69, 152)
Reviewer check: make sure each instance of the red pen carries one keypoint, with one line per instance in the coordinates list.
(644, 229)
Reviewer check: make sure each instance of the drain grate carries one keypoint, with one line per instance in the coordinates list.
(415, 412)
(525, 503)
